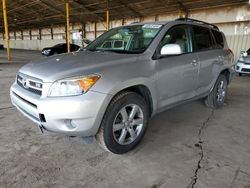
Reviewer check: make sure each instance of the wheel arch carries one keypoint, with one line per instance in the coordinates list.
(226, 73)
(144, 92)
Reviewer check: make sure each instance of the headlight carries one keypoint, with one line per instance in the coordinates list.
(73, 86)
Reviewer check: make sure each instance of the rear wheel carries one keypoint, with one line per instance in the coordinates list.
(124, 123)
(217, 96)
(240, 74)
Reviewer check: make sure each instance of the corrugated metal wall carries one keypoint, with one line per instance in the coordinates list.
(238, 43)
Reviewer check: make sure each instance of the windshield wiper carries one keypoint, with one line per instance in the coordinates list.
(124, 51)
(114, 51)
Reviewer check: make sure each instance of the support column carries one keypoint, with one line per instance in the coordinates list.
(7, 36)
(83, 31)
(95, 31)
(52, 32)
(107, 16)
(67, 26)
(22, 34)
(40, 34)
(83, 34)
(15, 34)
(30, 33)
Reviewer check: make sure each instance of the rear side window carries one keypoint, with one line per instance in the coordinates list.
(218, 38)
(202, 38)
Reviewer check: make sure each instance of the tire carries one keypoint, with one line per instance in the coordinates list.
(217, 96)
(240, 74)
(117, 134)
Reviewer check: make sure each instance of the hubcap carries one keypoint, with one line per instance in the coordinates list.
(221, 92)
(128, 124)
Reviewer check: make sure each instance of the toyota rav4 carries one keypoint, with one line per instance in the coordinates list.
(110, 89)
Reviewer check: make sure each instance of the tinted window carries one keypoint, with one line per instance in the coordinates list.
(202, 38)
(178, 35)
(219, 39)
(58, 45)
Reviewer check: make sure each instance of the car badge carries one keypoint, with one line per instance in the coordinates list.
(25, 83)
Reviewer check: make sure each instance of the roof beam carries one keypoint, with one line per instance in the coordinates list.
(131, 9)
(87, 10)
(51, 7)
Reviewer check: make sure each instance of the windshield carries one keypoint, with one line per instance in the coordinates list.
(128, 39)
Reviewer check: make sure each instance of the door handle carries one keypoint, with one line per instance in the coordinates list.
(194, 63)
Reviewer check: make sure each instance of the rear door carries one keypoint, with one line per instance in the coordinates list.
(209, 56)
(178, 74)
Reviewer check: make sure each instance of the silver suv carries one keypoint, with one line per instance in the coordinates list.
(111, 88)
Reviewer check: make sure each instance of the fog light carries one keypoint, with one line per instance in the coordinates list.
(70, 124)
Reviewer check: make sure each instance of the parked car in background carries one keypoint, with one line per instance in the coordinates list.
(243, 64)
(59, 49)
(1, 47)
(111, 88)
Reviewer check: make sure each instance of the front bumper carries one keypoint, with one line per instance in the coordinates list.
(242, 68)
(75, 115)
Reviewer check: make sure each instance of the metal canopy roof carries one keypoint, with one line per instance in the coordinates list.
(25, 14)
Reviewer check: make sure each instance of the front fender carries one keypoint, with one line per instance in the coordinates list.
(138, 82)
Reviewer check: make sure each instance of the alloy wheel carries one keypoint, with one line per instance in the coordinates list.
(128, 124)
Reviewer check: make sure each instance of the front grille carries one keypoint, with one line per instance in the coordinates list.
(245, 70)
(30, 84)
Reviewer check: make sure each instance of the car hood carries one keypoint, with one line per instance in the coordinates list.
(74, 64)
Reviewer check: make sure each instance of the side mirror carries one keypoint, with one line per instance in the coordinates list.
(171, 49)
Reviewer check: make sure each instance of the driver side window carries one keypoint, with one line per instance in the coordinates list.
(178, 35)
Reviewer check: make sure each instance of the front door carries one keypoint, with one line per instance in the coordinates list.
(177, 77)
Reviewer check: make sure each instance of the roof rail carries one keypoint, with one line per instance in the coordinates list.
(197, 21)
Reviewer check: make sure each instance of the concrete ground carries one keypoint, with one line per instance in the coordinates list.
(20, 56)
(187, 146)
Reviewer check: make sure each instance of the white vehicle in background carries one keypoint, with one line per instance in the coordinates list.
(243, 64)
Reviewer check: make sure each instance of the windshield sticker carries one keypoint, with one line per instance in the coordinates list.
(152, 26)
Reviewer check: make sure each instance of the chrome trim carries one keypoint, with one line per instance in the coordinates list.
(28, 82)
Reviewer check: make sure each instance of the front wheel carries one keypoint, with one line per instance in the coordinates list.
(217, 96)
(124, 123)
